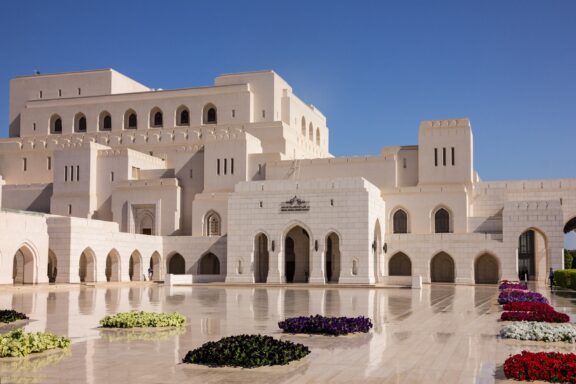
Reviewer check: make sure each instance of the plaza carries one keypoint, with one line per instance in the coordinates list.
(442, 333)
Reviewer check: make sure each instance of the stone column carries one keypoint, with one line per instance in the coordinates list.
(317, 265)
(276, 266)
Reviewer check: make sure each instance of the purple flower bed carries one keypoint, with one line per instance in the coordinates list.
(326, 325)
(509, 285)
(512, 295)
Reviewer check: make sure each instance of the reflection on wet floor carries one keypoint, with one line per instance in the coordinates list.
(442, 333)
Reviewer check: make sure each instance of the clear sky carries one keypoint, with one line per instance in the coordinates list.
(374, 68)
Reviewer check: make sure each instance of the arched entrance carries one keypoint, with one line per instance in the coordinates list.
(135, 268)
(209, 265)
(400, 265)
(486, 269)
(532, 255)
(113, 266)
(52, 267)
(155, 265)
(442, 268)
(570, 244)
(176, 265)
(377, 251)
(23, 267)
(332, 258)
(261, 258)
(297, 255)
(87, 270)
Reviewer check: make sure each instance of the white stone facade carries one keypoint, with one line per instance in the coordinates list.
(103, 178)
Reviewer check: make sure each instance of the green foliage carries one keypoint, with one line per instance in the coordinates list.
(246, 351)
(143, 320)
(10, 315)
(19, 343)
(568, 259)
(565, 278)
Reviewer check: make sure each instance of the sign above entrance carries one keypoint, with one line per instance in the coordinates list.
(294, 205)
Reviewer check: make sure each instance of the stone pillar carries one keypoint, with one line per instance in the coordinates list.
(317, 265)
(276, 267)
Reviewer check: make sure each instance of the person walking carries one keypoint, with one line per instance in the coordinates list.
(150, 272)
(551, 277)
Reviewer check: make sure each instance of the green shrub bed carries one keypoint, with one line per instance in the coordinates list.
(246, 351)
(19, 343)
(143, 319)
(10, 315)
(565, 278)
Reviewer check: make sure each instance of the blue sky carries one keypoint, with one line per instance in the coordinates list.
(375, 68)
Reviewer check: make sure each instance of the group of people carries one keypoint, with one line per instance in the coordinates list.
(524, 276)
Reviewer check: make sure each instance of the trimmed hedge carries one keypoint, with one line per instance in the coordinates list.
(143, 320)
(10, 315)
(565, 278)
(334, 326)
(246, 351)
(19, 343)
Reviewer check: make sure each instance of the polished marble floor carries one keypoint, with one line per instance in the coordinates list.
(440, 334)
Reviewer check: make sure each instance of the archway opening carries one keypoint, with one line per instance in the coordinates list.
(176, 265)
(377, 250)
(155, 264)
(570, 244)
(261, 258)
(113, 266)
(442, 268)
(52, 267)
(486, 269)
(87, 270)
(23, 266)
(297, 255)
(135, 268)
(532, 256)
(209, 265)
(332, 260)
(400, 265)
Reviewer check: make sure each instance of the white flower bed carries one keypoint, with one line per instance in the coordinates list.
(536, 331)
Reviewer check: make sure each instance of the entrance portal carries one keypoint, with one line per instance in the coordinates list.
(332, 266)
(442, 268)
(486, 270)
(297, 255)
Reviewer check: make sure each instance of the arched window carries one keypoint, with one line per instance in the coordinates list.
(442, 221)
(130, 120)
(210, 115)
(318, 136)
(182, 116)
(303, 126)
(80, 123)
(311, 133)
(212, 224)
(156, 118)
(400, 222)
(105, 121)
(55, 124)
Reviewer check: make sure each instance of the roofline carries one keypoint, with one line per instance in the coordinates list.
(248, 73)
(66, 73)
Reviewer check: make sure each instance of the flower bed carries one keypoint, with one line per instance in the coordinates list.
(9, 315)
(326, 325)
(512, 285)
(514, 295)
(528, 307)
(19, 343)
(143, 320)
(246, 351)
(547, 366)
(537, 331)
(545, 316)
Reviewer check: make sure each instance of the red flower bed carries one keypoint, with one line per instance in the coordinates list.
(547, 316)
(547, 366)
(528, 307)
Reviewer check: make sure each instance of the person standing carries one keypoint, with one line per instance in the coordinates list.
(551, 277)
(150, 273)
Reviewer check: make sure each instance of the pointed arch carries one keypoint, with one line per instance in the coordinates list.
(52, 266)
(400, 221)
(311, 132)
(486, 269)
(318, 136)
(105, 121)
(135, 268)
(297, 248)
(209, 264)
(182, 116)
(176, 265)
(303, 124)
(210, 114)
(332, 258)
(212, 224)
(87, 267)
(130, 119)
(442, 220)
(261, 258)
(400, 265)
(80, 122)
(533, 259)
(113, 266)
(377, 250)
(155, 266)
(156, 118)
(442, 268)
(24, 268)
(55, 124)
